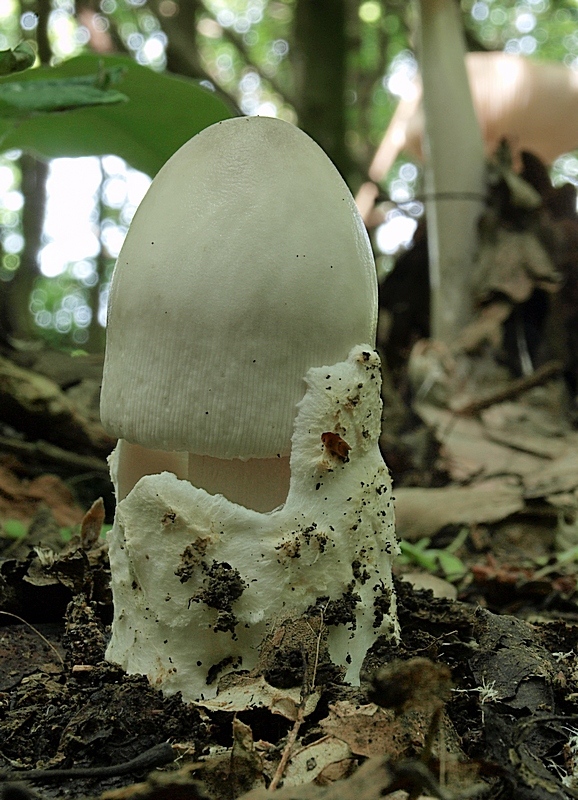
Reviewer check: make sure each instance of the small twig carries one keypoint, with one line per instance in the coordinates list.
(65, 458)
(432, 731)
(288, 749)
(316, 743)
(37, 632)
(157, 756)
(308, 688)
(513, 389)
(317, 650)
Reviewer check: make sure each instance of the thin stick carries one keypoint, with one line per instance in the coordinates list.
(513, 389)
(37, 632)
(288, 749)
(294, 732)
(157, 756)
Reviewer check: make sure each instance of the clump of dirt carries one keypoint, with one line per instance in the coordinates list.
(87, 712)
(222, 586)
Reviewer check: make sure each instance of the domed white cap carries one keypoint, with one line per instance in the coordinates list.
(246, 264)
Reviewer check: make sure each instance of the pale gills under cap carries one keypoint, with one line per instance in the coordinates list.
(246, 264)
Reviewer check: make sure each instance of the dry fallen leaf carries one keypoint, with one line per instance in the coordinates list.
(308, 763)
(560, 475)
(91, 525)
(514, 263)
(243, 693)
(22, 499)
(423, 512)
(372, 731)
(469, 453)
(529, 429)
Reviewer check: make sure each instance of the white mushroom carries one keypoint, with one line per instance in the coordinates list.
(242, 319)
(245, 265)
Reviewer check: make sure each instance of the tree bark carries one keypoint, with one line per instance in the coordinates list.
(319, 60)
(43, 9)
(18, 322)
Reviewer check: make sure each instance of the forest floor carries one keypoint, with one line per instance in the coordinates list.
(479, 697)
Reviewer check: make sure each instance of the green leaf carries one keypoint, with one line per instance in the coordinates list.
(22, 98)
(162, 112)
(14, 528)
(20, 58)
(451, 565)
(415, 554)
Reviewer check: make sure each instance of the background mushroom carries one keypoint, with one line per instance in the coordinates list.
(246, 264)
(531, 104)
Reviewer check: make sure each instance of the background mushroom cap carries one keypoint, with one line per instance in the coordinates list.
(246, 264)
(532, 104)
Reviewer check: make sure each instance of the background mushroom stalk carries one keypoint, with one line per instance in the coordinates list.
(455, 167)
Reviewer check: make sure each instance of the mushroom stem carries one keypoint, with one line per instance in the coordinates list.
(132, 462)
(258, 483)
(261, 484)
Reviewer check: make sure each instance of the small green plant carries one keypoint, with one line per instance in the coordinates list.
(433, 559)
(14, 529)
(16, 59)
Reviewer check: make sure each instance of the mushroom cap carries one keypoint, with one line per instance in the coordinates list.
(246, 264)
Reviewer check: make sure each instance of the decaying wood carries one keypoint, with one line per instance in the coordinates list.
(62, 368)
(41, 451)
(513, 389)
(36, 406)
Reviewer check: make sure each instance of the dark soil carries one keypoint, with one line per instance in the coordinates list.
(514, 701)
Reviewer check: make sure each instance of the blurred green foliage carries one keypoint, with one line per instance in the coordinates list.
(243, 55)
(145, 121)
(17, 59)
(14, 528)
(433, 559)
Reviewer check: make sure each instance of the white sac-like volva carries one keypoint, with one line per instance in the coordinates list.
(198, 581)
